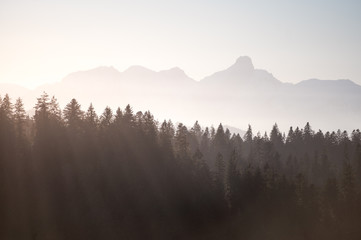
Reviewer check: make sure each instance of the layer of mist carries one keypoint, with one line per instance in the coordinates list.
(238, 96)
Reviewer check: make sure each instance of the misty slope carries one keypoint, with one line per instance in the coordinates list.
(240, 77)
(236, 96)
(251, 95)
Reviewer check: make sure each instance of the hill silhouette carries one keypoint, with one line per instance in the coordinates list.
(238, 95)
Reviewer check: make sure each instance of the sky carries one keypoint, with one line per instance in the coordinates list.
(42, 41)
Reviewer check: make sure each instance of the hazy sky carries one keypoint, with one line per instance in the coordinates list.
(42, 41)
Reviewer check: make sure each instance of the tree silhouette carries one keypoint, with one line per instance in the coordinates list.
(71, 175)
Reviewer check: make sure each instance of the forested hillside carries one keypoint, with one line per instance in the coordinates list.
(70, 174)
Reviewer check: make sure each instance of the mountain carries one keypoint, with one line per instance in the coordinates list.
(241, 74)
(237, 96)
(234, 130)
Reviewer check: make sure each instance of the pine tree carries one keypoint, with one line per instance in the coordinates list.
(6, 115)
(220, 141)
(6, 131)
(248, 150)
(276, 138)
(150, 125)
(308, 133)
(248, 136)
(166, 135)
(19, 118)
(7, 108)
(73, 115)
(128, 116)
(205, 141)
(227, 134)
(91, 117)
(118, 116)
(181, 141)
(196, 130)
(107, 117)
(290, 136)
(42, 115)
(212, 132)
(55, 111)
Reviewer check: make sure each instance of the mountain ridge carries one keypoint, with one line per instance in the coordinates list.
(243, 65)
(237, 95)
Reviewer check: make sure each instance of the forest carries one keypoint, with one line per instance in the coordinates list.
(71, 174)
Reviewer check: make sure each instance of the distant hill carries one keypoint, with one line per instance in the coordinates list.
(237, 96)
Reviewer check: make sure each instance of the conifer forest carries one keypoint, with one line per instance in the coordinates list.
(74, 174)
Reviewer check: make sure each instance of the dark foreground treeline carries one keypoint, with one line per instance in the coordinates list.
(71, 175)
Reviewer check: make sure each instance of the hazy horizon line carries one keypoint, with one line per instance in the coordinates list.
(33, 87)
